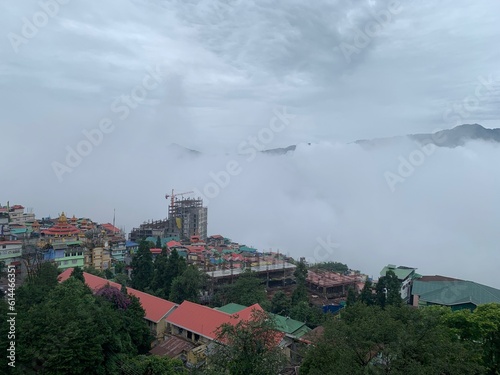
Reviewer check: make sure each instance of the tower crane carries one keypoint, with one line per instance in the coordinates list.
(172, 196)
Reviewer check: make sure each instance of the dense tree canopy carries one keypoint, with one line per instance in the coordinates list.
(247, 290)
(396, 340)
(66, 329)
(142, 267)
(249, 348)
(187, 287)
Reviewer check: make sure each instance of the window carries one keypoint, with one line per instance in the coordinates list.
(74, 261)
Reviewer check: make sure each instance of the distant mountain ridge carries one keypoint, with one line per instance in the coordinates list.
(451, 138)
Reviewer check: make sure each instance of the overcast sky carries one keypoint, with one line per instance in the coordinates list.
(93, 94)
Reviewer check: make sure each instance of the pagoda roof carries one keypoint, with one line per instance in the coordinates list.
(61, 228)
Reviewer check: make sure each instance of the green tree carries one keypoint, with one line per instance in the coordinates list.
(331, 266)
(119, 267)
(248, 290)
(366, 295)
(388, 290)
(311, 315)
(249, 348)
(281, 303)
(187, 287)
(152, 365)
(108, 274)
(396, 340)
(77, 273)
(480, 328)
(122, 279)
(161, 279)
(64, 334)
(351, 296)
(37, 286)
(142, 267)
(158, 242)
(94, 271)
(300, 292)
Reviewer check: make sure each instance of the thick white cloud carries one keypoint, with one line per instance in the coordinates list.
(225, 65)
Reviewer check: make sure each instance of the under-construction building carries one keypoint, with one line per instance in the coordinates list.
(187, 217)
(331, 285)
(152, 228)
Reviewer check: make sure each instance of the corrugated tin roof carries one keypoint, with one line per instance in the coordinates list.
(455, 292)
(172, 347)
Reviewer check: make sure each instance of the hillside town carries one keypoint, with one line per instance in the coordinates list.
(186, 329)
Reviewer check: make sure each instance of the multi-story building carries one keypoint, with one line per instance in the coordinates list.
(18, 216)
(66, 254)
(154, 229)
(98, 257)
(119, 251)
(187, 217)
(10, 253)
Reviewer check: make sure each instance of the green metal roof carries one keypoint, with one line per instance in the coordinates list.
(458, 292)
(290, 326)
(247, 249)
(231, 308)
(284, 324)
(401, 272)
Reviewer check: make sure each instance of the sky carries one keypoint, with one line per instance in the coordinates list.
(99, 100)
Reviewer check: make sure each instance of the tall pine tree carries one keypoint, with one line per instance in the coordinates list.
(142, 267)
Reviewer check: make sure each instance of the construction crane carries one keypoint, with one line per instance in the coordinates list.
(172, 196)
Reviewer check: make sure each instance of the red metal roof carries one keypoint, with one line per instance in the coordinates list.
(110, 228)
(204, 320)
(11, 242)
(155, 250)
(156, 308)
(195, 248)
(199, 319)
(173, 243)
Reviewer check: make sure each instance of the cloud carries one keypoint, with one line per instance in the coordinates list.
(227, 64)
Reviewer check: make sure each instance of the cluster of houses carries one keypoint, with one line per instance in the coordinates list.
(68, 242)
(188, 330)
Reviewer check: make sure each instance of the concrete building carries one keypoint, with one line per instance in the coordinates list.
(331, 285)
(119, 251)
(11, 253)
(99, 258)
(187, 217)
(17, 215)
